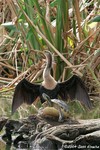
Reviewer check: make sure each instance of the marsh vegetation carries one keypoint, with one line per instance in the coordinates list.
(69, 29)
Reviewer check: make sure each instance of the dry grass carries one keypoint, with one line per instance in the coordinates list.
(74, 42)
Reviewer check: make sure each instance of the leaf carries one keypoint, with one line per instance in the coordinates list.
(95, 19)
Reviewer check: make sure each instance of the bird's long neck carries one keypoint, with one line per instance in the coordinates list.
(49, 82)
(46, 72)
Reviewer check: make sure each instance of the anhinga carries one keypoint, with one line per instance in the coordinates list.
(73, 88)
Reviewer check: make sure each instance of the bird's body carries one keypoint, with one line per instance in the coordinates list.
(52, 93)
(73, 88)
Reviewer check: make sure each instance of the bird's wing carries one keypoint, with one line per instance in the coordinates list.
(25, 92)
(74, 88)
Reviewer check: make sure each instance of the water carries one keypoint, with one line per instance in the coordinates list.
(5, 112)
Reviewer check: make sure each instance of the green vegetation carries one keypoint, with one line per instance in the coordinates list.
(69, 29)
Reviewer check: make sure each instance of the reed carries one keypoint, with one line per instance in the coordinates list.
(69, 29)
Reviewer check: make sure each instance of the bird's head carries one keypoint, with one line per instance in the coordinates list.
(47, 53)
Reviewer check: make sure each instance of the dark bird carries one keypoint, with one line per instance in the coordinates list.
(73, 88)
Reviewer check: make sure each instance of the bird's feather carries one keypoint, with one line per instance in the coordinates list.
(25, 92)
(74, 88)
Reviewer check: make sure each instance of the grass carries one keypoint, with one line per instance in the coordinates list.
(69, 29)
